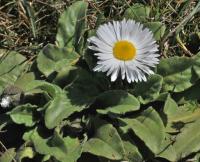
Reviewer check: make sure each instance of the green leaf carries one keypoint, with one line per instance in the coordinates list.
(63, 149)
(177, 73)
(11, 67)
(157, 28)
(148, 127)
(106, 143)
(190, 94)
(137, 12)
(170, 107)
(84, 89)
(43, 86)
(60, 107)
(26, 152)
(71, 25)
(187, 141)
(177, 116)
(117, 102)
(46, 158)
(184, 115)
(53, 59)
(167, 150)
(27, 135)
(148, 91)
(132, 153)
(23, 114)
(180, 114)
(196, 158)
(8, 156)
(65, 76)
(162, 96)
(12, 63)
(25, 79)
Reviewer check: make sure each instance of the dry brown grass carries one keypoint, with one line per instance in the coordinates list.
(27, 27)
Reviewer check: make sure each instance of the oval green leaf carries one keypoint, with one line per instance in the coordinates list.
(117, 102)
(106, 143)
(71, 26)
(157, 28)
(137, 12)
(148, 91)
(148, 127)
(53, 59)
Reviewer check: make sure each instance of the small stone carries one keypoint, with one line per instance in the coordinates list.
(5, 102)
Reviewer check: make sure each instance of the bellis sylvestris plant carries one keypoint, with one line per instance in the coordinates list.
(102, 92)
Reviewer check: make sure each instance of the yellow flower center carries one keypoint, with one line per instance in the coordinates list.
(124, 50)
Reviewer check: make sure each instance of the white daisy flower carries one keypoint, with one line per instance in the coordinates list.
(127, 48)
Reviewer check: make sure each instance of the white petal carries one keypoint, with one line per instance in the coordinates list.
(104, 56)
(98, 67)
(99, 42)
(102, 50)
(117, 29)
(128, 76)
(114, 74)
(123, 70)
(106, 34)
